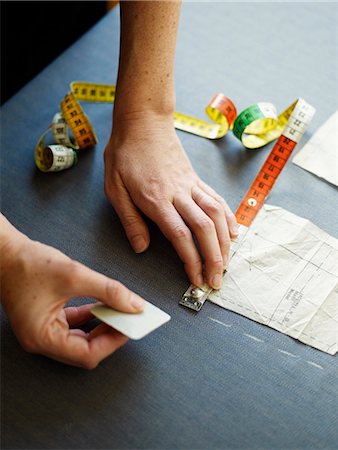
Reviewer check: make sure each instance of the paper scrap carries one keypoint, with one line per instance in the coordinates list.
(320, 154)
(284, 273)
(135, 326)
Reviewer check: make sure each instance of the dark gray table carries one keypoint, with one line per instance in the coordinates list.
(192, 384)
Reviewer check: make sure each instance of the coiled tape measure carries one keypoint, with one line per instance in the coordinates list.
(63, 154)
(255, 127)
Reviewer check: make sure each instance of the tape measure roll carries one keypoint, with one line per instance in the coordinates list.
(71, 119)
(255, 127)
(299, 115)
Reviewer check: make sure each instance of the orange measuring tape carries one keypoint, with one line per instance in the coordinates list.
(299, 115)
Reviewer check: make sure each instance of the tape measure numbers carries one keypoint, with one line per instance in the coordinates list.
(72, 119)
(297, 118)
(255, 127)
(299, 115)
(220, 110)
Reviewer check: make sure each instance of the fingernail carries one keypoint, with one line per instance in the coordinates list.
(234, 229)
(137, 303)
(217, 281)
(225, 262)
(139, 243)
(199, 280)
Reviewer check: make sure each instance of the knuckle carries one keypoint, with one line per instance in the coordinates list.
(113, 289)
(71, 273)
(130, 222)
(85, 358)
(205, 226)
(181, 233)
(90, 363)
(213, 208)
(225, 243)
(215, 261)
(220, 199)
(154, 192)
(154, 204)
(111, 186)
(107, 185)
(194, 263)
(29, 344)
(72, 270)
(107, 189)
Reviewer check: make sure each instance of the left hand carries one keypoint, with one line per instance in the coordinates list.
(37, 281)
(147, 171)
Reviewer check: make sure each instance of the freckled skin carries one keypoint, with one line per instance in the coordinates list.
(146, 168)
(145, 45)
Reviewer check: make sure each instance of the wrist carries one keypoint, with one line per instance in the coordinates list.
(146, 106)
(142, 123)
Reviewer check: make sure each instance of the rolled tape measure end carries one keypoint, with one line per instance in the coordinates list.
(54, 158)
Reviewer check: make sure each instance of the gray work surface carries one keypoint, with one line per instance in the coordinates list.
(192, 384)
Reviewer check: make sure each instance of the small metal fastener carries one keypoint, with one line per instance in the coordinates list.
(197, 293)
(194, 297)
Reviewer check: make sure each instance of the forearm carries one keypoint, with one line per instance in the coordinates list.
(146, 169)
(147, 51)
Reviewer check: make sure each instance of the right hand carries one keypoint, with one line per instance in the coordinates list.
(147, 171)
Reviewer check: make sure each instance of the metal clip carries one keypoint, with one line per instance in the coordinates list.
(195, 297)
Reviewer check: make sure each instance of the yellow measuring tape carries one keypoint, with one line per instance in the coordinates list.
(72, 131)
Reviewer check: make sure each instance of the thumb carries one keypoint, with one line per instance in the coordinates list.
(87, 282)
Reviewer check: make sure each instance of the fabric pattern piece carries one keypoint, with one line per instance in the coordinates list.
(283, 273)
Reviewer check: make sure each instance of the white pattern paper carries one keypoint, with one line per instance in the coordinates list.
(320, 154)
(284, 273)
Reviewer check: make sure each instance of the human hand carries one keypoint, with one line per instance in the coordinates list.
(37, 281)
(147, 170)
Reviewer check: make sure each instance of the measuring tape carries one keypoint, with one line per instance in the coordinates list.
(72, 118)
(72, 131)
(298, 115)
(255, 127)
